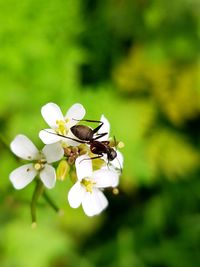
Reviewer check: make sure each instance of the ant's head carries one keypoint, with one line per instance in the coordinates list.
(112, 154)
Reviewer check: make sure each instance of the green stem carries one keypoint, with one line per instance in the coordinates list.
(6, 144)
(4, 141)
(36, 194)
(50, 202)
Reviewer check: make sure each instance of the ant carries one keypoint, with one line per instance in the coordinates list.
(86, 136)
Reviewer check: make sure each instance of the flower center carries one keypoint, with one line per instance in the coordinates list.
(39, 165)
(88, 183)
(62, 129)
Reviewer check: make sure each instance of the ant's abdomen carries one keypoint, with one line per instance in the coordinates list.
(82, 132)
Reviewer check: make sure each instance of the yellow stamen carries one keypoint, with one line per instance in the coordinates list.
(38, 166)
(61, 127)
(121, 144)
(88, 184)
(115, 191)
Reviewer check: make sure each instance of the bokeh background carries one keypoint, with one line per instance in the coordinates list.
(137, 62)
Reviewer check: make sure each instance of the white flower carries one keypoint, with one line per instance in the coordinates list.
(23, 147)
(87, 190)
(117, 163)
(60, 124)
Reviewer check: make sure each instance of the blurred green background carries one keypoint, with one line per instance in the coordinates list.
(137, 62)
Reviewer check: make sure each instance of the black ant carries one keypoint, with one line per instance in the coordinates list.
(85, 135)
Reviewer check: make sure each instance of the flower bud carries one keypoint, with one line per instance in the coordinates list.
(62, 170)
(67, 151)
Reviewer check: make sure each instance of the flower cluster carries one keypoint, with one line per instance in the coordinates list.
(91, 155)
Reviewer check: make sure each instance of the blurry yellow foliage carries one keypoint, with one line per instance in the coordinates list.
(178, 96)
(174, 88)
(173, 91)
(132, 75)
(169, 153)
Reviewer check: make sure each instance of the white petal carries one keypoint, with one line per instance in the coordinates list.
(48, 176)
(102, 200)
(118, 161)
(49, 136)
(105, 128)
(51, 113)
(22, 176)
(106, 178)
(23, 147)
(83, 167)
(75, 195)
(94, 203)
(53, 152)
(76, 112)
(71, 142)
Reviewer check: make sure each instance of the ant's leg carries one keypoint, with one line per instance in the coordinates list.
(67, 137)
(97, 157)
(95, 129)
(100, 135)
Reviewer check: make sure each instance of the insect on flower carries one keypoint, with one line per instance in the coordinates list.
(92, 137)
(73, 144)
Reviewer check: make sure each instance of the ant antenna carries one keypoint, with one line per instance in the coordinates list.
(120, 166)
(115, 145)
(115, 141)
(108, 165)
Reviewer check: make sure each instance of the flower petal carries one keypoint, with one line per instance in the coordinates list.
(105, 128)
(75, 195)
(76, 112)
(51, 113)
(106, 178)
(48, 176)
(102, 200)
(71, 142)
(83, 167)
(94, 203)
(117, 163)
(23, 147)
(49, 136)
(22, 176)
(53, 152)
